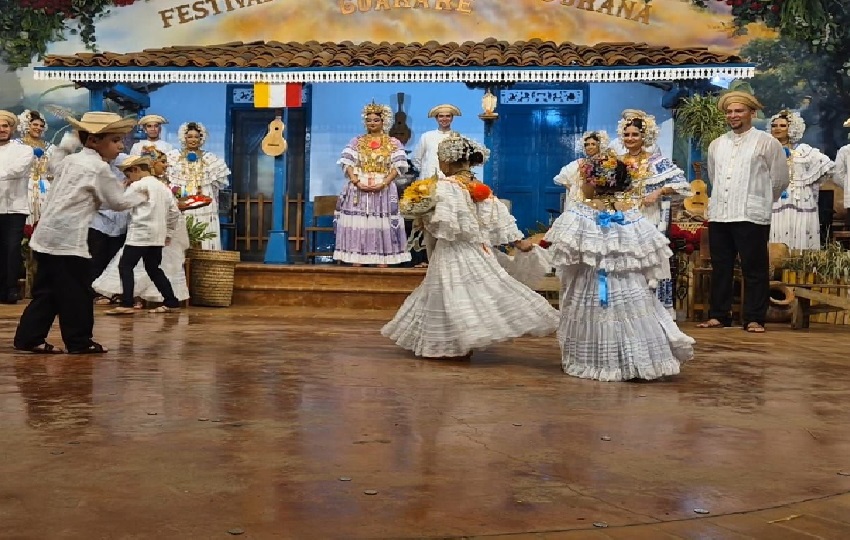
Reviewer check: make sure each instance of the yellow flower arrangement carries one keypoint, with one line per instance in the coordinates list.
(418, 198)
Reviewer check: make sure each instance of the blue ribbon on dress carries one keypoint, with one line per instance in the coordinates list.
(602, 277)
(604, 219)
(784, 195)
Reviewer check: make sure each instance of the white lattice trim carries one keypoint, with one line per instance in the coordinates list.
(239, 75)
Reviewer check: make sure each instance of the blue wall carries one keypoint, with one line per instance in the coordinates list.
(203, 102)
(336, 120)
(607, 102)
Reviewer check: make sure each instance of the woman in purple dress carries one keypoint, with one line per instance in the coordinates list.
(368, 226)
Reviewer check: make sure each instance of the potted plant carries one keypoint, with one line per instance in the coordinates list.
(211, 272)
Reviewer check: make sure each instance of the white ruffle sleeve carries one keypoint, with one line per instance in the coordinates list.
(526, 267)
(452, 218)
(809, 165)
(497, 223)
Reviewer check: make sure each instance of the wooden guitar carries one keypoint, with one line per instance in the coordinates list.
(273, 143)
(400, 129)
(697, 203)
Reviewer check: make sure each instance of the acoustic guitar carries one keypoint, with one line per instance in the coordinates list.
(400, 129)
(697, 203)
(273, 143)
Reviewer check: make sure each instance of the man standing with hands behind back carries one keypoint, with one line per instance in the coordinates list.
(748, 171)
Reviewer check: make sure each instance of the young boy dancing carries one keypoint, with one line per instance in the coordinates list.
(152, 224)
(62, 284)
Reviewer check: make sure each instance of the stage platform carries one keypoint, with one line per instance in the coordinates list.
(323, 285)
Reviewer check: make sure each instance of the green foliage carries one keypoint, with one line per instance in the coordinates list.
(197, 231)
(831, 263)
(699, 118)
(27, 27)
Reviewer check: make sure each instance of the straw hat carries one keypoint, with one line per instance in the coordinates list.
(152, 119)
(736, 96)
(98, 123)
(135, 161)
(9, 117)
(444, 109)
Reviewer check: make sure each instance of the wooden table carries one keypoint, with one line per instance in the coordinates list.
(827, 303)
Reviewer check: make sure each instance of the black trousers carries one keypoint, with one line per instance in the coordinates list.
(151, 257)
(62, 287)
(11, 235)
(102, 248)
(749, 241)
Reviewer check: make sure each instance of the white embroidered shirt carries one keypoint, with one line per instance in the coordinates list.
(154, 220)
(15, 162)
(84, 182)
(748, 171)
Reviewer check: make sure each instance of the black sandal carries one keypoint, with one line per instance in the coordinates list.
(93, 348)
(44, 348)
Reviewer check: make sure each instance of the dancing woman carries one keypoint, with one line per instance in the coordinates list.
(655, 179)
(467, 300)
(613, 328)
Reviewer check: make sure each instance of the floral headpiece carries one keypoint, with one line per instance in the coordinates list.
(456, 148)
(649, 130)
(181, 133)
(796, 124)
(25, 118)
(383, 111)
(600, 135)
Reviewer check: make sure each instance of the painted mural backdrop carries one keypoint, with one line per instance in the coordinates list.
(792, 76)
(159, 23)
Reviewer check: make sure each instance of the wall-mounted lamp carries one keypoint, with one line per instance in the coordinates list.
(488, 103)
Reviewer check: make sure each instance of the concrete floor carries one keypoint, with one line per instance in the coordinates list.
(277, 422)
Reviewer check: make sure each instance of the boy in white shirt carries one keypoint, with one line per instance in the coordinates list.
(152, 224)
(62, 285)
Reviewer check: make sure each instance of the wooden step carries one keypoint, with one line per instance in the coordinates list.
(323, 285)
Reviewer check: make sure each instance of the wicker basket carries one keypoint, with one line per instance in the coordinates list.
(211, 276)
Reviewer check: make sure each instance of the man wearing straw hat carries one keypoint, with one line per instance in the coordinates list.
(152, 124)
(15, 161)
(425, 154)
(62, 284)
(748, 171)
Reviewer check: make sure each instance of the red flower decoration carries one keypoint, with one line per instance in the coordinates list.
(28, 230)
(545, 244)
(479, 192)
(374, 144)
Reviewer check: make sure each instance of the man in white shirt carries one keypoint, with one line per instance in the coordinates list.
(748, 171)
(62, 284)
(152, 124)
(15, 162)
(152, 224)
(425, 154)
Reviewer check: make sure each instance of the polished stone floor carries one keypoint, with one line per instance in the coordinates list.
(307, 424)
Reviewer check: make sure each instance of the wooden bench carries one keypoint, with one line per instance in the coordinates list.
(827, 303)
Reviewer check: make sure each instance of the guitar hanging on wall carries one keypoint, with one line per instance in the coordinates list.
(273, 143)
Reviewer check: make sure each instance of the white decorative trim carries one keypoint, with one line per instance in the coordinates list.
(543, 75)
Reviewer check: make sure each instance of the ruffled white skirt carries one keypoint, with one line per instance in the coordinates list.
(467, 301)
(633, 336)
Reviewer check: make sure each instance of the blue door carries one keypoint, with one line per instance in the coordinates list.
(534, 136)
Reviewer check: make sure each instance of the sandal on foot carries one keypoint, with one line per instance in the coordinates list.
(44, 348)
(163, 309)
(711, 323)
(93, 348)
(121, 311)
(754, 328)
(102, 301)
